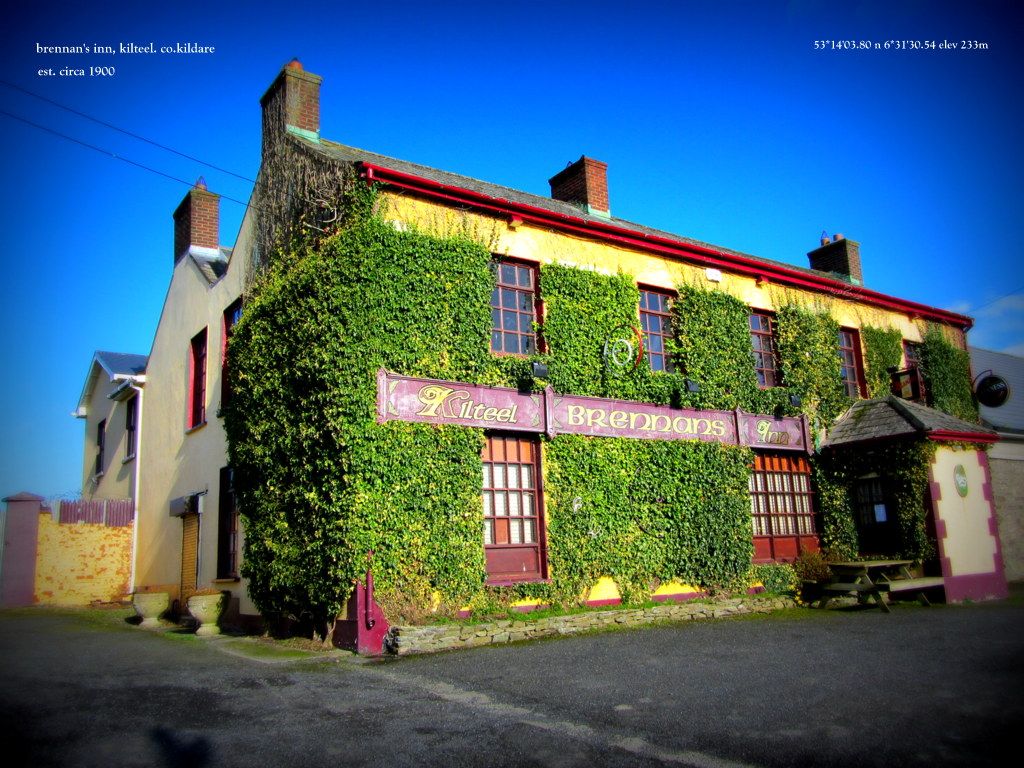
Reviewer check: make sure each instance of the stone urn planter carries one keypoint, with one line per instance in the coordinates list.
(206, 609)
(149, 606)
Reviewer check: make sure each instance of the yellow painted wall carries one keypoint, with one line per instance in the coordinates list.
(544, 246)
(177, 461)
(969, 544)
(80, 562)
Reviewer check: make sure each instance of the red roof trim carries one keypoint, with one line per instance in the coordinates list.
(951, 436)
(691, 252)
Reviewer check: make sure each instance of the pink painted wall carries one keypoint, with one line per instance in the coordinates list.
(19, 562)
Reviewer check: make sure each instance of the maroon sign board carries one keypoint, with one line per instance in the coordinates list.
(429, 401)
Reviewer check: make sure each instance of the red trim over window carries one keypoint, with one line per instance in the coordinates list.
(690, 252)
(951, 436)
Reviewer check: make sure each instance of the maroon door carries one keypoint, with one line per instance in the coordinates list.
(513, 522)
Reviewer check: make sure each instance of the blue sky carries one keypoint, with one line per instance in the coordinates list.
(718, 120)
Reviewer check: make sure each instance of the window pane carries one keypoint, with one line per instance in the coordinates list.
(488, 505)
(529, 534)
(513, 477)
(499, 476)
(525, 324)
(488, 531)
(513, 505)
(500, 509)
(508, 274)
(527, 504)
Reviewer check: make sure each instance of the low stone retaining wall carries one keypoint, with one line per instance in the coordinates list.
(404, 640)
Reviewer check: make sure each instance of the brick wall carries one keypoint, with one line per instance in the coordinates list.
(79, 563)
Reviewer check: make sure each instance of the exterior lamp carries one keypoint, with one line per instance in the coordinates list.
(795, 401)
(539, 370)
(692, 386)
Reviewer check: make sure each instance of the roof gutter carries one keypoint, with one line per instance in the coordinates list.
(703, 256)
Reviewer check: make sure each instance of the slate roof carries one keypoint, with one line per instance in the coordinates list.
(213, 268)
(872, 420)
(347, 154)
(122, 363)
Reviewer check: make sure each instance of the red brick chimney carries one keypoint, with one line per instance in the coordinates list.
(197, 220)
(292, 102)
(584, 183)
(839, 256)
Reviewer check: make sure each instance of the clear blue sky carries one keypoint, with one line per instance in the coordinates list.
(718, 120)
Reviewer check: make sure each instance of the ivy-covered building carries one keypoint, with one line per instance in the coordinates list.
(511, 399)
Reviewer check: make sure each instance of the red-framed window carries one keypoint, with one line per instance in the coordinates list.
(231, 317)
(766, 353)
(852, 363)
(131, 420)
(227, 527)
(782, 507)
(101, 444)
(514, 308)
(197, 380)
(656, 323)
(912, 353)
(513, 519)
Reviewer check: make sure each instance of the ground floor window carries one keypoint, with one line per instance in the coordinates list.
(513, 519)
(782, 507)
(227, 527)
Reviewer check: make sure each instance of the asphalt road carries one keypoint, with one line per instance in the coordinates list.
(918, 687)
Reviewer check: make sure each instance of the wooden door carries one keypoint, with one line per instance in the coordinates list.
(189, 556)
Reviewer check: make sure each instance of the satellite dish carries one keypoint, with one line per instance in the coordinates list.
(992, 391)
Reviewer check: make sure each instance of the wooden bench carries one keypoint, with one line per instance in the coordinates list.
(863, 590)
(916, 586)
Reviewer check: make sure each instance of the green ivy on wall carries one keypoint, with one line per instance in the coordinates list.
(643, 511)
(809, 359)
(883, 349)
(905, 467)
(321, 483)
(947, 374)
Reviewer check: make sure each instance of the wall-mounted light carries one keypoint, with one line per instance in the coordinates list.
(539, 370)
(795, 401)
(692, 386)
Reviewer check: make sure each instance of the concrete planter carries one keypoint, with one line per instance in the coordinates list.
(206, 610)
(149, 606)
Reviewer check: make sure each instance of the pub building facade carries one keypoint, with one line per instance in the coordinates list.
(190, 534)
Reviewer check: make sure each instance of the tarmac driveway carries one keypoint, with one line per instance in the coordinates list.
(920, 686)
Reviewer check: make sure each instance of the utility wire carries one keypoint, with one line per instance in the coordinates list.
(114, 155)
(124, 131)
(1014, 292)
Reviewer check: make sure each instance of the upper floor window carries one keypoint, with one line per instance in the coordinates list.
(131, 419)
(852, 363)
(197, 380)
(231, 317)
(766, 354)
(101, 442)
(656, 322)
(514, 308)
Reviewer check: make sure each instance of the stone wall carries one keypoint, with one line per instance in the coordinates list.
(405, 640)
(1008, 489)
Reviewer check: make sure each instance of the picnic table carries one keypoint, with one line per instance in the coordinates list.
(870, 580)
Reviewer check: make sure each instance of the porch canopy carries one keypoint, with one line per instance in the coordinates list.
(893, 417)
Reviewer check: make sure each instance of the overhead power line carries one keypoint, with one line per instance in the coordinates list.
(107, 152)
(113, 127)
